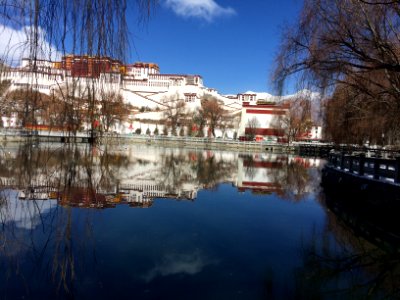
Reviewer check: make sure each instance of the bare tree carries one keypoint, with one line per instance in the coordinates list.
(297, 121)
(352, 43)
(175, 113)
(112, 110)
(92, 29)
(212, 111)
(251, 128)
(353, 117)
(165, 130)
(71, 111)
(199, 121)
(31, 106)
(97, 27)
(300, 117)
(4, 85)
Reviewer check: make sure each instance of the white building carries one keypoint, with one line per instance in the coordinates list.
(143, 86)
(262, 120)
(140, 84)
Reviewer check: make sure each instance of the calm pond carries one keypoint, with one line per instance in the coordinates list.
(142, 222)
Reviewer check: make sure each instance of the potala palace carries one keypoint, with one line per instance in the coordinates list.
(142, 85)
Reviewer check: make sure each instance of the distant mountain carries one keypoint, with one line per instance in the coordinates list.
(316, 100)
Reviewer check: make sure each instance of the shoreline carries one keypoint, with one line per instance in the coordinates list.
(168, 141)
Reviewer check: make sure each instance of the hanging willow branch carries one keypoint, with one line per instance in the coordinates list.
(92, 27)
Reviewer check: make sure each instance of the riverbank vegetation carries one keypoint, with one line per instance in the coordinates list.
(349, 50)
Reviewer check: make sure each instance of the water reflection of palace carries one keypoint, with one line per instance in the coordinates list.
(134, 193)
(137, 178)
(333, 246)
(266, 173)
(256, 173)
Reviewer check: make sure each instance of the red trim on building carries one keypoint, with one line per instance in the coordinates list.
(261, 187)
(261, 184)
(276, 106)
(263, 164)
(247, 104)
(177, 76)
(264, 131)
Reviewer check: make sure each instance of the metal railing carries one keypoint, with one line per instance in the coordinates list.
(198, 140)
(146, 138)
(372, 167)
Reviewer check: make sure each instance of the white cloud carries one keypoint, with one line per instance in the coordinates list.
(15, 44)
(171, 264)
(25, 214)
(202, 9)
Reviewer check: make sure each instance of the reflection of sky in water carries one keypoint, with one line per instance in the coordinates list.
(248, 230)
(25, 214)
(223, 238)
(178, 263)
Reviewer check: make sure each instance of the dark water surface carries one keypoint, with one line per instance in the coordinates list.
(136, 222)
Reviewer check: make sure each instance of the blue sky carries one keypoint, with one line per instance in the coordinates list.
(232, 44)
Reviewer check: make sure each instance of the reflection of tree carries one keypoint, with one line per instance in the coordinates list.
(178, 169)
(63, 267)
(354, 270)
(341, 263)
(211, 171)
(81, 176)
(358, 257)
(295, 178)
(249, 163)
(75, 174)
(173, 171)
(64, 167)
(111, 167)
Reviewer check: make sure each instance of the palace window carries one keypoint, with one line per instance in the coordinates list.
(190, 97)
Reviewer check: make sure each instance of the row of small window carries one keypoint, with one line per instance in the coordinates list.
(164, 84)
(248, 98)
(190, 98)
(164, 78)
(145, 83)
(147, 187)
(36, 75)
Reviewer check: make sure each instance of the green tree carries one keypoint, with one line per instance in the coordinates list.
(156, 132)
